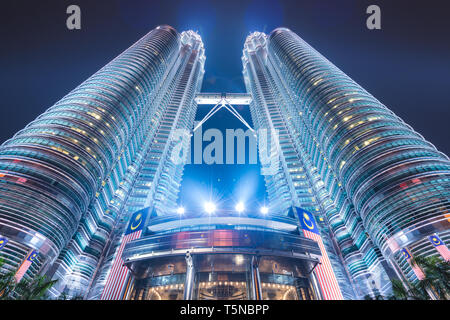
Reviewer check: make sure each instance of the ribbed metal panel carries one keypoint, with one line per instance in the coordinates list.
(398, 182)
(371, 172)
(55, 169)
(157, 178)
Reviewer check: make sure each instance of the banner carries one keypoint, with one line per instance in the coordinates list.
(440, 246)
(417, 271)
(325, 274)
(118, 274)
(3, 242)
(25, 265)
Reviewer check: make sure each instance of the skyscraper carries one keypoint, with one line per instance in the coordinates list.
(373, 183)
(158, 179)
(73, 175)
(88, 190)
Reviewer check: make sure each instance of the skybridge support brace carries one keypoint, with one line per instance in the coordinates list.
(223, 100)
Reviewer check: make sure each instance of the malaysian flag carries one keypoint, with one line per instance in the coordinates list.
(3, 242)
(440, 246)
(25, 265)
(325, 275)
(118, 274)
(417, 271)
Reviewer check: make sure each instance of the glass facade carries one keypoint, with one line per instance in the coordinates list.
(223, 277)
(374, 183)
(158, 178)
(238, 261)
(70, 178)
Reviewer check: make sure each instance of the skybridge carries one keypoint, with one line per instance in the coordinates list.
(223, 100)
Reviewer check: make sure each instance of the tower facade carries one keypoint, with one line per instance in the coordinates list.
(374, 184)
(69, 179)
(159, 176)
(88, 190)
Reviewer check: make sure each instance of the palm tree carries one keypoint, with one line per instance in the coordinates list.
(65, 296)
(435, 285)
(437, 276)
(399, 292)
(34, 289)
(7, 283)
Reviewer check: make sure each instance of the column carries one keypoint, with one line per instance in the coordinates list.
(315, 285)
(190, 275)
(255, 278)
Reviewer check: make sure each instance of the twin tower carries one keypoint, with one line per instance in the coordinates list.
(88, 190)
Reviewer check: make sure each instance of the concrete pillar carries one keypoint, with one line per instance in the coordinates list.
(315, 285)
(255, 278)
(190, 275)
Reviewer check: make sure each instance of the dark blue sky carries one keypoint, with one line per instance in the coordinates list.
(405, 65)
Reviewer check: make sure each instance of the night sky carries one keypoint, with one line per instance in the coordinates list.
(405, 65)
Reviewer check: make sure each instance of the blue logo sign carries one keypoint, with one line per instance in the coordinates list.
(307, 220)
(32, 255)
(137, 221)
(406, 254)
(3, 242)
(435, 240)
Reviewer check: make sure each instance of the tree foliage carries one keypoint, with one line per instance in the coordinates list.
(34, 289)
(435, 285)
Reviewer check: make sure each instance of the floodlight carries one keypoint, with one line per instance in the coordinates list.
(240, 207)
(210, 207)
